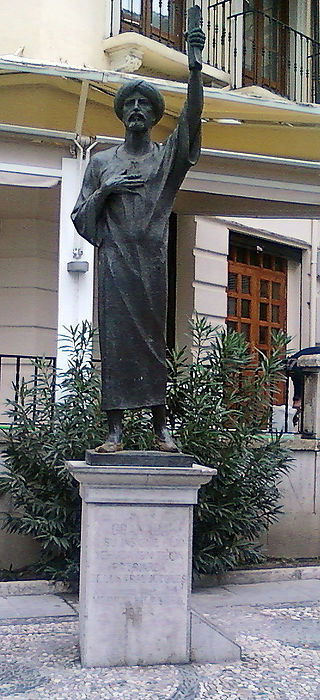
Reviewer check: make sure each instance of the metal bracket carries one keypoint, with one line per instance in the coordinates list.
(82, 144)
(78, 266)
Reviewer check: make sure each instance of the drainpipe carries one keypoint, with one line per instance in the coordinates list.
(313, 282)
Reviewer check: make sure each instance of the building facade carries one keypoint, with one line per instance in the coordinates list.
(245, 230)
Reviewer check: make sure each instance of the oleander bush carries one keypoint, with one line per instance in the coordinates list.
(41, 438)
(219, 400)
(219, 407)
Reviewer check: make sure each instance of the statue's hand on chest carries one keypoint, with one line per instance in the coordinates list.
(121, 183)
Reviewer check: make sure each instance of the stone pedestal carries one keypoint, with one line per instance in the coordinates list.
(310, 368)
(136, 557)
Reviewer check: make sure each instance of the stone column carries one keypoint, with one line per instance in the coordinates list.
(310, 368)
(136, 556)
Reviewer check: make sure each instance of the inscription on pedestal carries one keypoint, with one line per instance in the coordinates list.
(136, 546)
(137, 578)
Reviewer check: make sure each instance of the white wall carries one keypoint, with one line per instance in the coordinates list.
(300, 16)
(186, 238)
(211, 269)
(293, 305)
(291, 229)
(318, 313)
(32, 152)
(202, 270)
(72, 31)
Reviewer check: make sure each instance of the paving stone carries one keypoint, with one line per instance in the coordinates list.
(259, 593)
(39, 659)
(24, 606)
(6, 608)
(18, 677)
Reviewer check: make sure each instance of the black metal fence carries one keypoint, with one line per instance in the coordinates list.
(250, 47)
(221, 50)
(16, 369)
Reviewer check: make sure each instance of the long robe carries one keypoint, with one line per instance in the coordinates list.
(131, 234)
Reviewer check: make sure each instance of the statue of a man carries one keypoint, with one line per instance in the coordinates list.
(123, 209)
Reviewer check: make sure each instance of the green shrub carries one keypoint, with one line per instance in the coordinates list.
(45, 497)
(218, 404)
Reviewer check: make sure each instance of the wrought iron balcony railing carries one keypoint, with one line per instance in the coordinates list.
(276, 56)
(251, 47)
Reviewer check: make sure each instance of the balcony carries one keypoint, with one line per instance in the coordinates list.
(243, 48)
(276, 56)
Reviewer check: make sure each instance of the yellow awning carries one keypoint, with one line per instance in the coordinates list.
(48, 97)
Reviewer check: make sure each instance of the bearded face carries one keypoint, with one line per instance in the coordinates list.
(138, 113)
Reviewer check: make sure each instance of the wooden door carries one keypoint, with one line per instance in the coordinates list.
(257, 296)
(266, 43)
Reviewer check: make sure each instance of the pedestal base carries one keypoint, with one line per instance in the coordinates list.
(136, 561)
(209, 644)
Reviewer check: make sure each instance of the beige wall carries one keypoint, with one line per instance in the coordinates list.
(67, 31)
(28, 286)
(296, 534)
(28, 280)
(16, 551)
(72, 31)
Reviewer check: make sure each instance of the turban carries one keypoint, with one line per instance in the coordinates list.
(146, 89)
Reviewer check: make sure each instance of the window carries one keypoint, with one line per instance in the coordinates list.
(266, 43)
(162, 20)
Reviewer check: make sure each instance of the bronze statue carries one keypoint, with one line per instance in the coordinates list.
(123, 209)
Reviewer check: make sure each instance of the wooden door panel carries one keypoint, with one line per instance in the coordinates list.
(257, 296)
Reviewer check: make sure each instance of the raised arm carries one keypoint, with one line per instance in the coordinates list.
(196, 40)
(194, 103)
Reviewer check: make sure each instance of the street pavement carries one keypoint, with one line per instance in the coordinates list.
(277, 625)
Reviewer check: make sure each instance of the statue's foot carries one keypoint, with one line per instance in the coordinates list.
(165, 443)
(110, 446)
